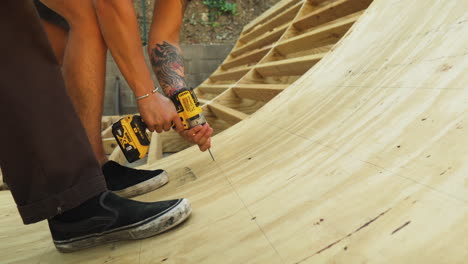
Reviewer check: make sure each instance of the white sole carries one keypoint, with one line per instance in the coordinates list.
(143, 229)
(144, 187)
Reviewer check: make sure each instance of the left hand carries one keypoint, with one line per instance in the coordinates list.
(200, 135)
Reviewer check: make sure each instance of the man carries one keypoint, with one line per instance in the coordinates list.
(81, 31)
(46, 158)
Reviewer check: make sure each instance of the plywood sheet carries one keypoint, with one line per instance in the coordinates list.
(362, 160)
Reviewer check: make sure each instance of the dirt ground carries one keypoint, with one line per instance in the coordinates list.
(197, 28)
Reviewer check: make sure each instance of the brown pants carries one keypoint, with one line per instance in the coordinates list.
(45, 156)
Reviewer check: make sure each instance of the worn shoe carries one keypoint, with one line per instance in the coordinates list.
(128, 182)
(109, 218)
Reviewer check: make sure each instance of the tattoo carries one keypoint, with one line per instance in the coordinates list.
(168, 65)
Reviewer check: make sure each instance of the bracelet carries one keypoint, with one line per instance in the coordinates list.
(146, 95)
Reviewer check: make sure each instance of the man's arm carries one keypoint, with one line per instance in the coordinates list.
(163, 47)
(168, 65)
(167, 61)
(119, 27)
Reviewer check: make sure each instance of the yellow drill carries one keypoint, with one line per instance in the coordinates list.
(130, 131)
(189, 110)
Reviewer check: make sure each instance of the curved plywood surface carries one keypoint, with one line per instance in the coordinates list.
(271, 53)
(361, 160)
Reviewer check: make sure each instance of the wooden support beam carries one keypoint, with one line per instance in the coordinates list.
(260, 92)
(331, 12)
(282, 18)
(302, 53)
(234, 74)
(109, 145)
(327, 34)
(173, 142)
(261, 41)
(227, 114)
(247, 58)
(107, 121)
(155, 151)
(269, 14)
(294, 66)
(203, 101)
(214, 89)
(107, 133)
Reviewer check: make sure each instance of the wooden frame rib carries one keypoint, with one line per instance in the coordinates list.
(261, 41)
(321, 36)
(230, 75)
(330, 12)
(216, 89)
(269, 14)
(284, 17)
(227, 114)
(247, 58)
(294, 66)
(260, 92)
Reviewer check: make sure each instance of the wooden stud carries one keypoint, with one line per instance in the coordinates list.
(261, 41)
(227, 114)
(244, 105)
(155, 151)
(270, 14)
(203, 101)
(320, 36)
(260, 92)
(173, 142)
(107, 133)
(109, 145)
(331, 12)
(301, 53)
(215, 89)
(294, 66)
(285, 17)
(234, 74)
(248, 58)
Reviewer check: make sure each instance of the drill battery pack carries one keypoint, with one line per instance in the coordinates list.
(130, 134)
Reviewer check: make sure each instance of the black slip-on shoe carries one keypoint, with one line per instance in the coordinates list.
(128, 182)
(114, 219)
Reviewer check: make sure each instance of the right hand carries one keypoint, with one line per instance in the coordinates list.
(159, 113)
(200, 135)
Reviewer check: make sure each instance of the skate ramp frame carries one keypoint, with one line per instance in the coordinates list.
(360, 160)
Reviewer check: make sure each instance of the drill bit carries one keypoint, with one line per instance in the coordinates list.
(211, 154)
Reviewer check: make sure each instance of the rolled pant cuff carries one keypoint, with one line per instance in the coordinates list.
(61, 202)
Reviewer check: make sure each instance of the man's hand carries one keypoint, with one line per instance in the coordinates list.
(200, 135)
(159, 113)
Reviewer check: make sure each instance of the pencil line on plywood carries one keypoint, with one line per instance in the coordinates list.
(250, 213)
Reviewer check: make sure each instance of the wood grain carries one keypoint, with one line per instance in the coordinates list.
(361, 160)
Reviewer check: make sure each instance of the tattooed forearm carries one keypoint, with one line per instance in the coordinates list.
(168, 65)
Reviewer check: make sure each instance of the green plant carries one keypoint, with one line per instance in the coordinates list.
(219, 7)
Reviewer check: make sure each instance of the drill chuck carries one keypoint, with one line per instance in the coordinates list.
(196, 120)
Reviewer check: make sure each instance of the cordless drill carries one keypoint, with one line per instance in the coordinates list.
(130, 131)
(130, 134)
(188, 108)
